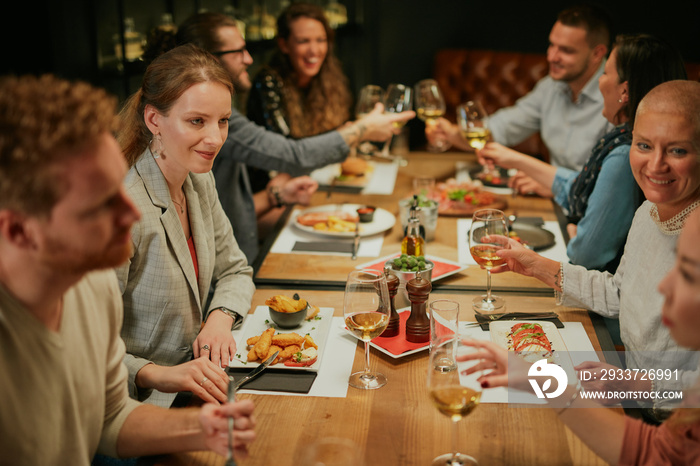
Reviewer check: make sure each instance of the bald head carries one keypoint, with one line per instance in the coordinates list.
(674, 97)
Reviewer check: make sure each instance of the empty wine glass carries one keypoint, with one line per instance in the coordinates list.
(398, 98)
(487, 223)
(370, 96)
(430, 105)
(367, 310)
(454, 393)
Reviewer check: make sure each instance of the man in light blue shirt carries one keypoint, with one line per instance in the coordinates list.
(565, 106)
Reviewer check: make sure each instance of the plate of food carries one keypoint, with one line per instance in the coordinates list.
(533, 236)
(300, 348)
(339, 220)
(496, 178)
(354, 172)
(534, 340)
(462, 199)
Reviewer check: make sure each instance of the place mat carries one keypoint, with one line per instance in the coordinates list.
(441, 267)
(577, 343)
(485, 321)
(325, 246)
(289, 236)
(556, 252)
(336, 366)
(277, 380)
(382, 180)
(398, 345)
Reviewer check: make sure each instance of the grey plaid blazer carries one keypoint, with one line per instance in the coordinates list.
(164, 304)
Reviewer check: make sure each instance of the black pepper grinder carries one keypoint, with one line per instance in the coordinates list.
(418, 323)
(392, 283)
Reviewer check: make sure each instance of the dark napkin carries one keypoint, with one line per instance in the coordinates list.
(341, 189)
(278, 380)
(323, 246)
(516, 316)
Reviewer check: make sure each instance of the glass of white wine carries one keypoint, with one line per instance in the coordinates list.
(454, 393)
(486, 224)
(430, 105)
(366, 309)
(473, 124)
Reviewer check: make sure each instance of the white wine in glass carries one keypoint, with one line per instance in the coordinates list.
(454, 393)
(473, 124)
(366, 309)
(430, 105)
(486, 224)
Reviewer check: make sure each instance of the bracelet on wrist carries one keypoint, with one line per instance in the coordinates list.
(559, 295)
(572, 399)
(273, 193)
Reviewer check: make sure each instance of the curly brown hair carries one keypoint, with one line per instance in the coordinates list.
(326, 104)
(165, 80)
(45, 121)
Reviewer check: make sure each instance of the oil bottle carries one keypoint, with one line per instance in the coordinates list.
(413, 243)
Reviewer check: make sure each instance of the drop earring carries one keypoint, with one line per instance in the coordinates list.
(156, 151)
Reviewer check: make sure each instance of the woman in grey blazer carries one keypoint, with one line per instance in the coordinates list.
(178, 336)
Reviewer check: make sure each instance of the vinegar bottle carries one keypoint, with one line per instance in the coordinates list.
(413, 243)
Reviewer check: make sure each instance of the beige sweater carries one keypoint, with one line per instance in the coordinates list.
(63, 394)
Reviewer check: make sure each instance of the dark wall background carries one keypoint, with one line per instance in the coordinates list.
(391, 40)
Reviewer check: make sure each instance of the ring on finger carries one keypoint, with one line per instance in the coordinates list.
(203, 380)
(204, 348)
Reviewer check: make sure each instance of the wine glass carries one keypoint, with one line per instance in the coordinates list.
(398, 98)
(472, 120)
(370, 95)
(454, 393)
(367, 310)
(483, 248)
(430, 105)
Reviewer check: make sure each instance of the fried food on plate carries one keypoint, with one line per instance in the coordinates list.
(282, 303)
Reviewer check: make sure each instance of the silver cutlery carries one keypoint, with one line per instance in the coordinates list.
(230, 461)
(356, 240)
(506, 317)
(255, 372)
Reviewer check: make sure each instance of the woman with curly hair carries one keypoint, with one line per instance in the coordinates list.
(302, 91)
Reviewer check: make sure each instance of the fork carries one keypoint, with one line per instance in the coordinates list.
(230, 461)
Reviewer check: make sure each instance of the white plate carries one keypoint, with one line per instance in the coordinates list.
(383, 220)
(257, 323)
(560, 355)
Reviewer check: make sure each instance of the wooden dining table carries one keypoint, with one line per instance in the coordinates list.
(314, 270)
(397, 424)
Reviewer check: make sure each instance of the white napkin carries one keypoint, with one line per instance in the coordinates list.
(370, 246)
(556, 252)
(381, 182)
(336, 365)
(577, 343)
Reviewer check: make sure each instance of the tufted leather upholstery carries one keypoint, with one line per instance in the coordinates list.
(495, 78)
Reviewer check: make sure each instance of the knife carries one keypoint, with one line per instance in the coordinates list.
(356, 242)
(257, 370)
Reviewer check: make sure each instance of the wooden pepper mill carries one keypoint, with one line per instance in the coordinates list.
(392, 283)
(418, 323)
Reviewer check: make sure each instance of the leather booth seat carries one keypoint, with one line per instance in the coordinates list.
(495, 78)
